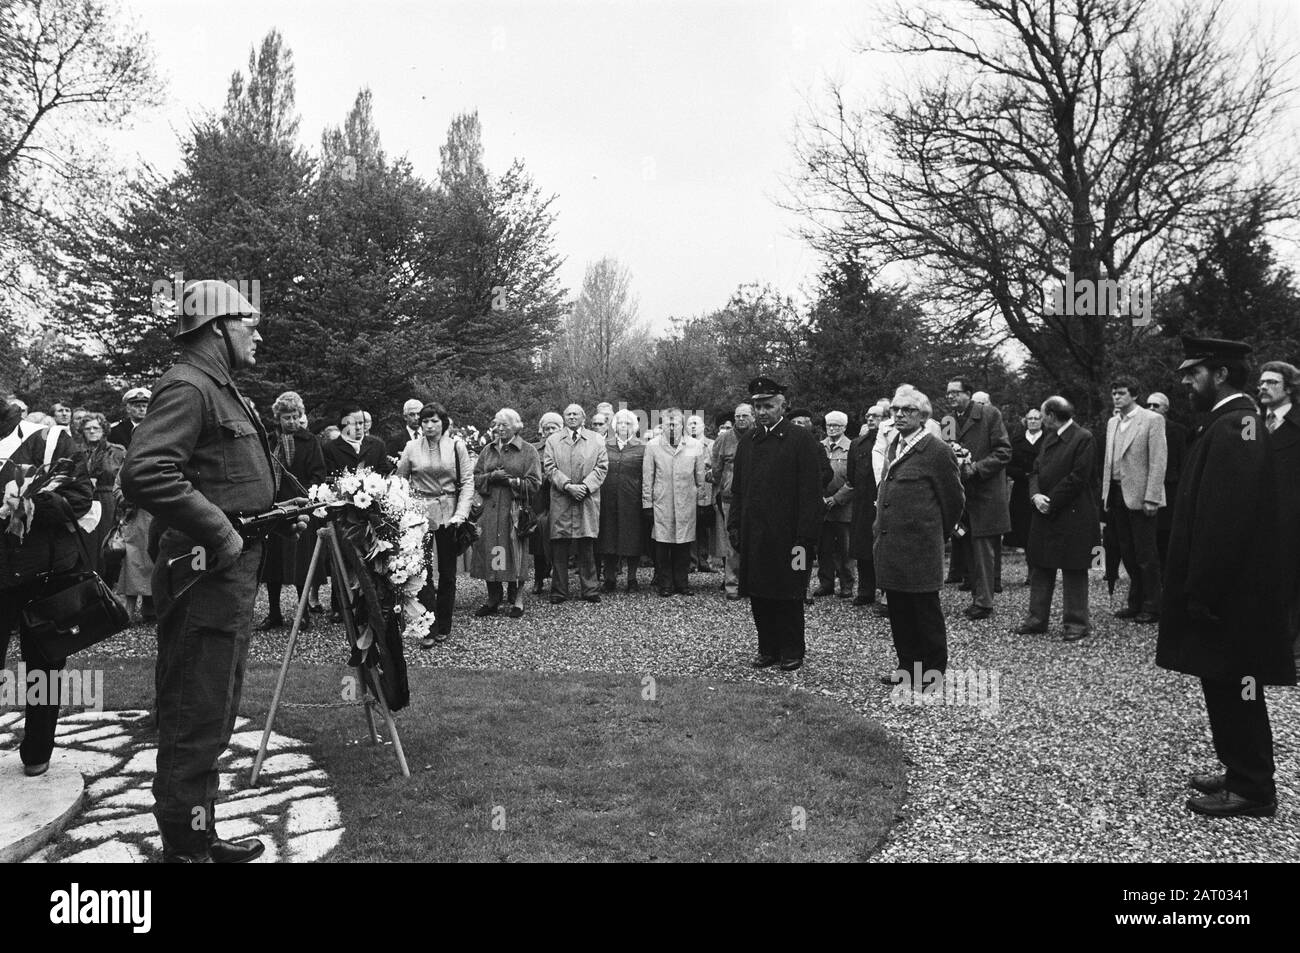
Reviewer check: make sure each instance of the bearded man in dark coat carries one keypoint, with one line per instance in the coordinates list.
(1224, 619)
(774, 521)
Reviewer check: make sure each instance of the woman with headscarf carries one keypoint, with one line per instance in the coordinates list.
(441, 475)
(540, 544)
(622, 533)
(507, 474)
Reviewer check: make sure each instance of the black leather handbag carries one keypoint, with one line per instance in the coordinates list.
(80, 612)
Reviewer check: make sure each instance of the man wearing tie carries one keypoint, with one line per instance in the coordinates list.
(1279, 388)
(1132, 492)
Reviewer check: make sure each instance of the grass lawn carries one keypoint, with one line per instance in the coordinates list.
(522, 766)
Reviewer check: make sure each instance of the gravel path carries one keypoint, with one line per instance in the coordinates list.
(1085, 758)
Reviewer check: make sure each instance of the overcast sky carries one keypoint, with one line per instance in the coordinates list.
(662, 127)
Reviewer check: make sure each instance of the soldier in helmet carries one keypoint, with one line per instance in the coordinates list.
(197, 462)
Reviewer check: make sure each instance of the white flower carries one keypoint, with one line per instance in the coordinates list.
(383, 546)
(349, 484)
(362, 500)
(374, 484)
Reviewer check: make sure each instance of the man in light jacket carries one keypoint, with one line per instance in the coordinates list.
(673, 484)
(574, 463)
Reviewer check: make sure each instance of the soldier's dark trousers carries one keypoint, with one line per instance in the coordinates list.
(1138, 551)
(202, 647)
(1243, 738)
(673, 565)
(920, 633)
(560, 552)
(40, 721)
(610, 564)
(780, 624)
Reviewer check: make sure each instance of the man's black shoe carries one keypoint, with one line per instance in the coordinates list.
(336, 616)
(633, 586)
(844, 593)
(485, 610)
(965, 587)
(538, 588)
(271, 622)
(1146, 618)
(791, 665)
(607, 585)
(236, 851)
(556, 600)
(592, 598)
(1127, 614)
(1074, 635)
(687, 591)
(975, 613)
(1026, 628)
(665, 592)
(1226, 804)
(763, 661)
(1208, 783)
(733, 596)
(822, 591)
(864, 599)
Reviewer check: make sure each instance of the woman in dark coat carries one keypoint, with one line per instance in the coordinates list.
(46, 546)
(918, 504)
(540, 542)
(860, 489)
(506, 472)
(103, 460)
(1024, 451)
(622, 531)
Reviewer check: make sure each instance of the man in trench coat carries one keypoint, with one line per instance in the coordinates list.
(574, 463)
(1224, 619)
(774, 521)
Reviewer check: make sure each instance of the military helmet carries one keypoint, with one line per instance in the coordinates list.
(204, 301)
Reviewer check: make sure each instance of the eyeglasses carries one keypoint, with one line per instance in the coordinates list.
(906, 410)
(1155, 406)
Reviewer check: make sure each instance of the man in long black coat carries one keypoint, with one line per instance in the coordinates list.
(1224, 618)
(1063, 529)
(774, 522)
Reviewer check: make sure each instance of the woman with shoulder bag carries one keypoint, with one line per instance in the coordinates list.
(507, 474)
(27, 563)
(440, 472)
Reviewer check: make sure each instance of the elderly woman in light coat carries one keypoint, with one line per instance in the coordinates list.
(441, 475)
(507, 473)
(673, 484)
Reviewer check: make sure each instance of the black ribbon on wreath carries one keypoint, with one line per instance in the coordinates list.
(375, 606)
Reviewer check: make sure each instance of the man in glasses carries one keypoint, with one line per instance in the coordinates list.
(197, 462)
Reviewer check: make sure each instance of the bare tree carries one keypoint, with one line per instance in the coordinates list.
(602, 333)
(1089, 136)
(62, 63)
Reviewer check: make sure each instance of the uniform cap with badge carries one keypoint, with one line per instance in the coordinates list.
(1206, 350)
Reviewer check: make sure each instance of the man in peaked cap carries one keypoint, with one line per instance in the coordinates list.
(136, 402)
(199, 461)
(1223, 619)
(774, 522)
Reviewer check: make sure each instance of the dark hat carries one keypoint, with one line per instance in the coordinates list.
(1208, 350)
(205, 301)
(761, 387)
(798, 412)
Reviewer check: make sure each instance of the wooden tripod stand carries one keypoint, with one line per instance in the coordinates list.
(372, 696)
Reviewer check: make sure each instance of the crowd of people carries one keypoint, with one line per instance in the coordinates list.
(1205, 523)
